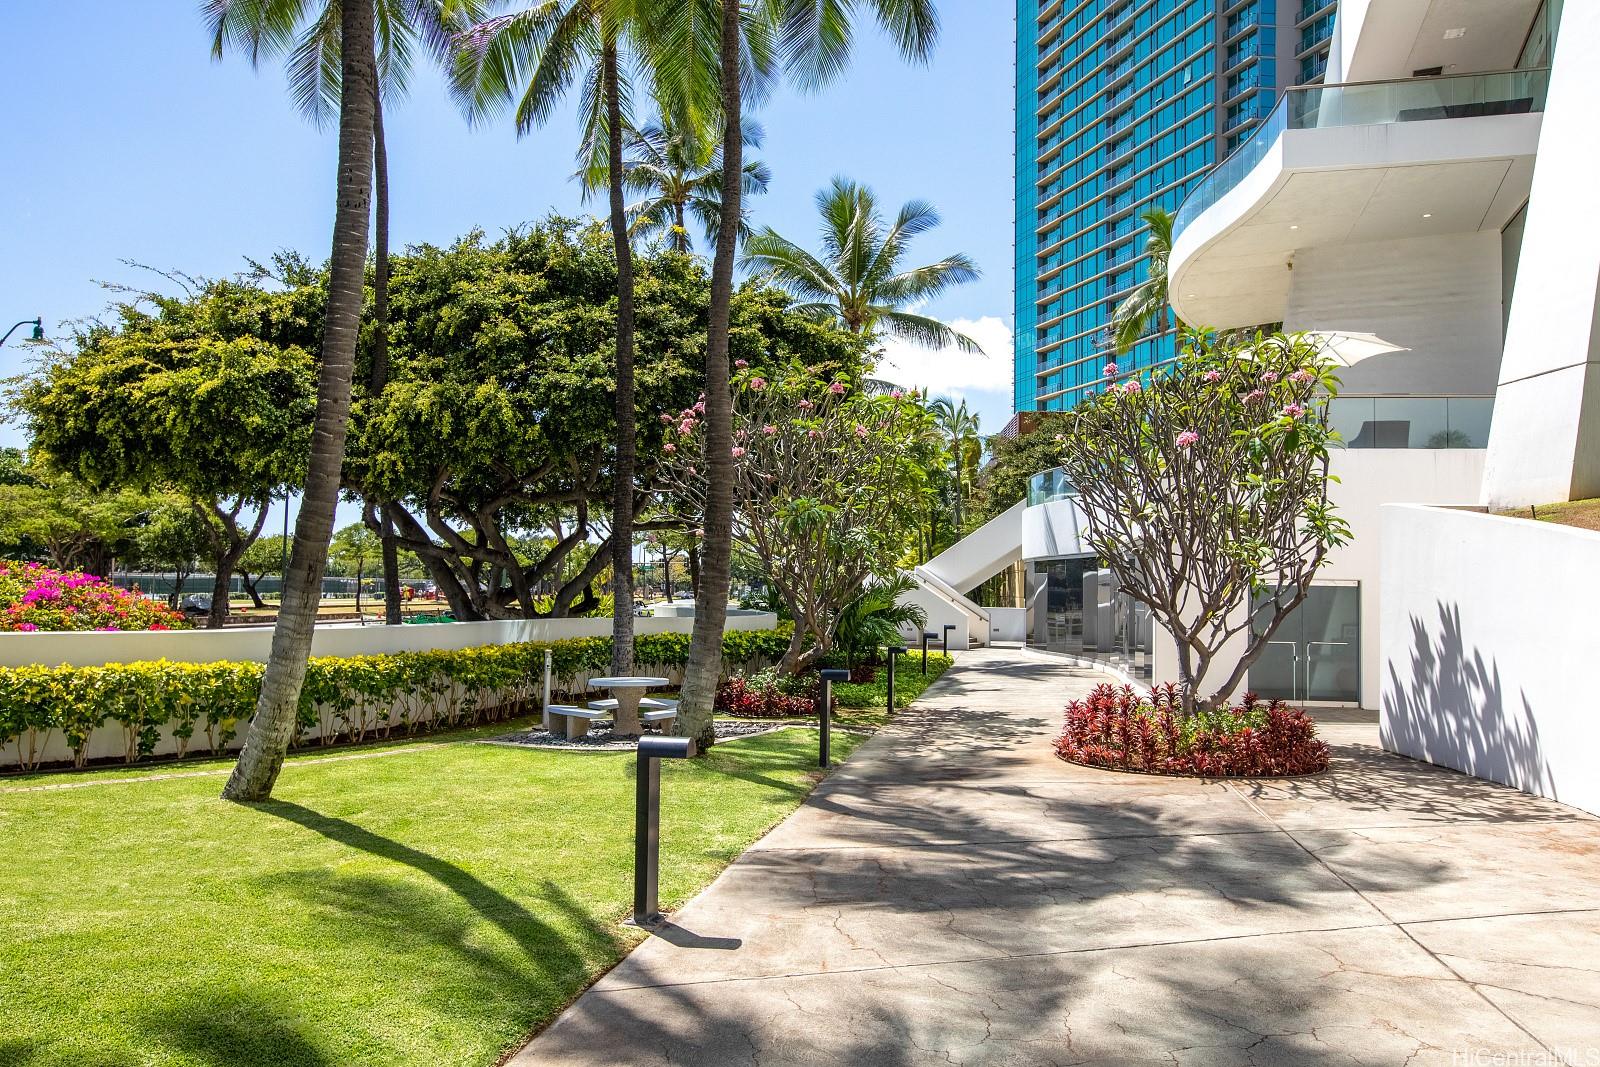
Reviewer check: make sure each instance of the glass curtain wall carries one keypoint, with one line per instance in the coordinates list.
(1075, 608)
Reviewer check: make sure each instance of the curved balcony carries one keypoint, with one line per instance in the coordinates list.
(1343, 164)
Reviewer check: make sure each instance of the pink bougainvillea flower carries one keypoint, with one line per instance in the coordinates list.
(758, 384)
(1255, 394)
(737, 451)
(1187, 438)
(769, 429)
(1212, 375)
(1270, 377)
(1130, 387)
(29, 627)
(837, 388)
(1294, 411)
(741, 363)
(1111, 368)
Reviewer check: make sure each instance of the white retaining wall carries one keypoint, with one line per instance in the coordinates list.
(250, 644)
(1490, 641)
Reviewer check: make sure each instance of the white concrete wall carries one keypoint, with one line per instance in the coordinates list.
(941, 612)
(1432, 305)
(1369, 479)
(1008, 624)
(1489, 646)
(1545, 445)
(252, 643)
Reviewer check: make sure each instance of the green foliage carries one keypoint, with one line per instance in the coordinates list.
(353, 697)
(909, 683)
(873, 620)
(1013, 460)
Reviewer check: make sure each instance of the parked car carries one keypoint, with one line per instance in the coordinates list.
(196, 607)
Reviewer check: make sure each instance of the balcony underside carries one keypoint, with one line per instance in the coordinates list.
(1346, 185)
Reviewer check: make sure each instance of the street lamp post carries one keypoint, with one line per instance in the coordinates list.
(38, 329)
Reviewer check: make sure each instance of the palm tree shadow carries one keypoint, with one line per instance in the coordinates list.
(245, 1031)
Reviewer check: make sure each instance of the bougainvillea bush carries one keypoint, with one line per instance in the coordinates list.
(36, 597)
(1121, 730)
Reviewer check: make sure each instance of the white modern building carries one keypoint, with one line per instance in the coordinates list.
(1428, 211)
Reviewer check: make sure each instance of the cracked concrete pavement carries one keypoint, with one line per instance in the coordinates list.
(954, 894)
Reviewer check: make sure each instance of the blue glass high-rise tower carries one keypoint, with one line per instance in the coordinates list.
(1122, 105)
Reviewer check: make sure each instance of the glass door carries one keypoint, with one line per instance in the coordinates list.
(1315, 657)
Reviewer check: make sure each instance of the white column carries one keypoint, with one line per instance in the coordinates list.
(1545, 443)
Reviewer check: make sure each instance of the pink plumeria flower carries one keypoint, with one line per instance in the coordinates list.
(769, 429)
(691, 471)
(1294, 411)
(813, 433)
(1270, 377)
(685, 428)
(1255, 394)
(1130, 387)
(896, 394)
(669, 447)
(741, 363)
(1212, 375)
(737, 452)
(666, 420)
(861, 431)
(700, 408)
(1187, 439)
(837, 388)
(1301, 376)
(1111, 368)
(1061, 437)
(758, 384)
(699, 533)
(806, 405)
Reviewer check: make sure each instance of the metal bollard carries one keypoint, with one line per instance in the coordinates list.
(895, 651)
(926, 637)
(647, 822)
(825, 714)
(548, 695)
(947, 628)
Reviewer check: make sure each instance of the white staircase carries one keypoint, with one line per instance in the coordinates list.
(943, 582)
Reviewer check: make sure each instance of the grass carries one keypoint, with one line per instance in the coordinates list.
(1581, 513)
(867, 704)
(420, 903)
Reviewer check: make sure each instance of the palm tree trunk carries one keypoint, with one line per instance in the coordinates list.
(627, 443)
(273, 724)
(380, 336)
(704, 671)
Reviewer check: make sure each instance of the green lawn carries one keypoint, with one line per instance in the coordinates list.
(424, 903)
(867, 705)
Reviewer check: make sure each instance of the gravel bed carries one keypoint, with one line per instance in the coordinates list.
(601, 739)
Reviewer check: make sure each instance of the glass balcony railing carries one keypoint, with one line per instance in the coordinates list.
(1049, 485)
(1309, 107)
(1412, 421)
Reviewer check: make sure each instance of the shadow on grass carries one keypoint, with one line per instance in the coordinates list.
(232, 1032)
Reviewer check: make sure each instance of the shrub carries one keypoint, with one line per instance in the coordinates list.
(36, 597)
(1118, 729)
(768, 694)
(352, 697)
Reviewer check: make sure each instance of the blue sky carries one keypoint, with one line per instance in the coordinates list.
(129, 143)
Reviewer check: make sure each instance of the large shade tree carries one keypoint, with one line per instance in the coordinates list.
(272, 726)
(207, 394)
(705, 47)
(861, 278)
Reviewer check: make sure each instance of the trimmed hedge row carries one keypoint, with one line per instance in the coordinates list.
(351, 696)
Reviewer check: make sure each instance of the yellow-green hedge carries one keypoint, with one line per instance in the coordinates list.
(357, 696)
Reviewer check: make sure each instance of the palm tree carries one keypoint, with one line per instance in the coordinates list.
(308, 32)
(961, 425)
(272, 725)
(678, 174)
(1146, 308)
(816, 39)
(532, 57)
(858, 280)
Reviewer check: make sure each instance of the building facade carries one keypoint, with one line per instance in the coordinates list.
(1124, 105)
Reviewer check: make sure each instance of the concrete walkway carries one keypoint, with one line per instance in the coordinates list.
(956, 894)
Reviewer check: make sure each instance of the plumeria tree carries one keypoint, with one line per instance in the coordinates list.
(1206, 489)
(828, 485)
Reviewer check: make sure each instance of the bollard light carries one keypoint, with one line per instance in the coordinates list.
(647, 822)
(825, 714)
(926, 637)
(947, 628)
(894, 651)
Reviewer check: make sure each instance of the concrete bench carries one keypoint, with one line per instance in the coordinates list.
(569, 721)
(645, 704)
(659, 715)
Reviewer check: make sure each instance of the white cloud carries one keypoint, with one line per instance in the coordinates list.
(984, 381)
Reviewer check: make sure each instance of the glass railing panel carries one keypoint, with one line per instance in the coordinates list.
(1368, 104)
(1412, 421)
(1050, 485)
(1469, 418)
